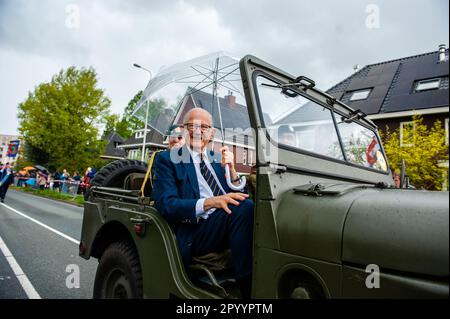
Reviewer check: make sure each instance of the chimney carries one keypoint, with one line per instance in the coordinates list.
(442, 50)
(230, 99)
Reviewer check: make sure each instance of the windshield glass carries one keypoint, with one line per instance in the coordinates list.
(361, 146)
(295, 122)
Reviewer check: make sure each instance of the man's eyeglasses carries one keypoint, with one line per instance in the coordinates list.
(173, 137)
(203, 127)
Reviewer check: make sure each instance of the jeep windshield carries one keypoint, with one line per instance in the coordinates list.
(296, 122)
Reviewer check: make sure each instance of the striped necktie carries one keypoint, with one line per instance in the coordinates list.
(209, 178)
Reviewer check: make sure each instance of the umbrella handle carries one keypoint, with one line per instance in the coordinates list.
(230, 184)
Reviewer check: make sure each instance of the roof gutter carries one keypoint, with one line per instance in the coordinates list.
(125, 146)
(435, 110)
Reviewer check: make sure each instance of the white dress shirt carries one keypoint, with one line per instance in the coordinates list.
(205, 190)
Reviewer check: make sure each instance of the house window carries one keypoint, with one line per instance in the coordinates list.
(133, 154)
(140, 134)
(360, 95)
(406, 134)
(425, 85)
(244, 157)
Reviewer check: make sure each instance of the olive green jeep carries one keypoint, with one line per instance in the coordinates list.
(329, 222)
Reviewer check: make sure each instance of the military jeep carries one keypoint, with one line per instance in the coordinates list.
(329, 222)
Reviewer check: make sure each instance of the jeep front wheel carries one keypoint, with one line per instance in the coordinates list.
(119, 273)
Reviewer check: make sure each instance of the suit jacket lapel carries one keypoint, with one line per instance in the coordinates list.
(190, 170)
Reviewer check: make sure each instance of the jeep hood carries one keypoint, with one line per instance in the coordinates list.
(400, 230)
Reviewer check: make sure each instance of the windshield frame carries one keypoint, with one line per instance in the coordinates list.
(334, 111)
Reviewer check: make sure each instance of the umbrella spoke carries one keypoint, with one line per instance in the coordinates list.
(187, 77)
(227, 66)
(219, 70)
(206, 75)
(223, 76)
(192, 82)
(232, 88)
(197, 90)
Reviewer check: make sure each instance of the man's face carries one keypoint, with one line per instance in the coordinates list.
(397, 180)
(199, 131)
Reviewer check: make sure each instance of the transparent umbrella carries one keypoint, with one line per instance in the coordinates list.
(212, 82)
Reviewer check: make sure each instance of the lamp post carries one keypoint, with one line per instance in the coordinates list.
(146, 114)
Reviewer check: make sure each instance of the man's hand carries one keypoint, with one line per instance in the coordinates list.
(228, 158)
(221, 202)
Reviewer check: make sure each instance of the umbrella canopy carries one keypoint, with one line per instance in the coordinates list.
(211, 82)
(42, 169)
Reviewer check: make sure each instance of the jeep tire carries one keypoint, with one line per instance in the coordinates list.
(119, 273)
(114, 174)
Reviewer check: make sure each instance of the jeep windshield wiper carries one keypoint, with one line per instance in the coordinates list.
(354, 115)
(301, 82)
(284, 88)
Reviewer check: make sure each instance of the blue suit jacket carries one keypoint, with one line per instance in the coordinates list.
(176, 192)
(6, 179)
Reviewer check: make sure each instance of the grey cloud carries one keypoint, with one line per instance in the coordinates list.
(320, 39)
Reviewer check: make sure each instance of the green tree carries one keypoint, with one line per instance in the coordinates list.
(59, 119)
(126, 124)
(113, 123)
(132, 122)
(422, 149)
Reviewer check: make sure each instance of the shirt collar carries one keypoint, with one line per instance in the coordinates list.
(196, 155)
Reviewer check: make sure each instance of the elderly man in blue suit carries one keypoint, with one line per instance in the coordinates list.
(191, 192)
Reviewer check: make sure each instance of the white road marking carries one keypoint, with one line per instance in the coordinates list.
(42, 224)
(21, 277)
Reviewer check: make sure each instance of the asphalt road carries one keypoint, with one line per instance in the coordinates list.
(39, 250)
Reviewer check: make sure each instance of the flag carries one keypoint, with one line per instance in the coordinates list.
(13, 148)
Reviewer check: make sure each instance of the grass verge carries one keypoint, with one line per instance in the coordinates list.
(77, 200)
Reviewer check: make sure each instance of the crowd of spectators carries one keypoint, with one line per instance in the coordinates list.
(59, 181)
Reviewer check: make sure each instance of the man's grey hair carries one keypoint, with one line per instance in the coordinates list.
(188, 114)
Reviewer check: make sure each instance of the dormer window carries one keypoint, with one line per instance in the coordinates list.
(140, 134)
(360, 95)
(425, 85)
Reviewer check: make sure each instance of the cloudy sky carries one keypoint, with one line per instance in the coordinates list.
(322, 39)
